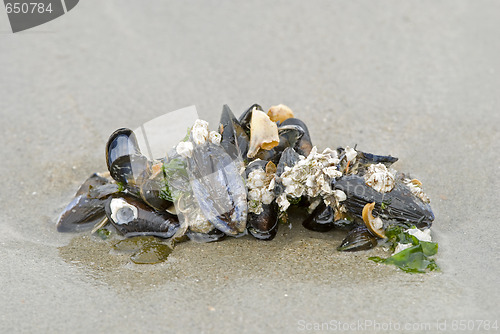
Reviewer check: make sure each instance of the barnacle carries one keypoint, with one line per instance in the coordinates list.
(380, 178)
(312, 176)
(199, 132)
(260, 189)
(416, 189)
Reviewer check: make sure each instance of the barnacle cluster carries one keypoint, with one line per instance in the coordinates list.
(312, 176)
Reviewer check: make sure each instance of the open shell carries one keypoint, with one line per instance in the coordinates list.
(280, 113)
(375, 225)
(263, 133)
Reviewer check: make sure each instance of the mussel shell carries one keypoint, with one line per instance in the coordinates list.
(125, 162)
(147, 221)
(304, 144)
(81, 214)
(121, 142)
(128, 170)
(343, 224)
(87, 207)
(289, 136)
(246, 117)
(321, 219)
(150, 190)
(235, 140)
(94, 181)
(287, 159)
(264, 226)
(219, 188)
(369, 158)
(401, 206)
(254, 165)
(358, 239)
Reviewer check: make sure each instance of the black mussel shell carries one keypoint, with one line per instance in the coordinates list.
(287, 159)
(358, 239)
(94, 181)
(364, 160)
(369, 159)
(264, 226)
(87, 207)
(81, 214)
(150, 190)
(304, 144)
(246, 117)
(289, 136)
(400, 206)
(131, 217)
(343, 224)
(254, 165)
(321, 219)
(125, 162)
(235, 140)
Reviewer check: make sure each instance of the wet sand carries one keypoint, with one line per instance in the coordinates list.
(417, 80)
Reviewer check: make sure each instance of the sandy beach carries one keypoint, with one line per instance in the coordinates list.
(417, 80)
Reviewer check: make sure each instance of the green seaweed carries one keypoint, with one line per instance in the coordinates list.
(294, 200)
(173, 170)
(121, 186)
(385, 204)
(415, 259)
(103, 233)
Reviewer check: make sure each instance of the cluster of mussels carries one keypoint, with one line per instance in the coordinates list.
(243, 179)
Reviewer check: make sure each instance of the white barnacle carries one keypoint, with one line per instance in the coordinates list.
(254, 194)
(267, 196)
(199, 132)
(214, 137)
(122, 212)
(332, 172)
(198, 222)
(272, 184)
(295, 190)
(350, 154)
(415, 187)
(324, 185)
(256, 179)
(380, 178)
(312, 176)
(184, 149)
(259, 190)
(340, 195)
(255, 206)
(283, 202)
